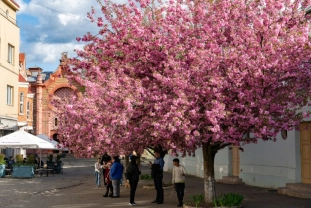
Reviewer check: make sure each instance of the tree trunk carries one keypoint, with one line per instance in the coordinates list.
(209, 153)
(161, 151)
(126, 161)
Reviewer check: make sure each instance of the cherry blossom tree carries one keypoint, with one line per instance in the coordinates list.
(186, 74)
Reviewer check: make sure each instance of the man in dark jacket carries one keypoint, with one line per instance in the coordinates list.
(116, 172)
(132, 174)
(157, 174)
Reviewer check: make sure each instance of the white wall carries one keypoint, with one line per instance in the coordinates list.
(272, 164)
(265, 164)
(194, 165)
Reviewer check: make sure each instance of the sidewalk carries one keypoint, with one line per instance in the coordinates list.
(76, 189)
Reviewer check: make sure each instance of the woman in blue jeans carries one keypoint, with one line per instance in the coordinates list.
(97, 172)
(116, 175)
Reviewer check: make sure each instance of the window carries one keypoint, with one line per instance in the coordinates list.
(9, 95)
(55, 122)
(28, 110)
(21, 103)
(11, 54)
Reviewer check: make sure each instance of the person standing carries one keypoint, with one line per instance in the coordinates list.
(97, 172)
(105, 159)
(132, 174)
(157, 174)
(115, 175)
(178, 180)
(109, 189)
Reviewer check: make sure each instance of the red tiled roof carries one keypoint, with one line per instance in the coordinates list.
(15, 3)
(21, 78)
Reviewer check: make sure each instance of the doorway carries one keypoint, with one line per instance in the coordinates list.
(235, 161)
(305, 152)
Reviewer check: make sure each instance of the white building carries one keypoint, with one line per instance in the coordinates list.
(265, 164)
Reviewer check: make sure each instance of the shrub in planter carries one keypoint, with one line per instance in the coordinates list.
(2, 165)
(30, 159)
(58, 157)
(50, 158)
(19, 159)
(50, 163)
(23, 170)
(228, 200)
(146, 177)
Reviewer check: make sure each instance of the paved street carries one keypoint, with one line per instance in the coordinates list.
(76, 189)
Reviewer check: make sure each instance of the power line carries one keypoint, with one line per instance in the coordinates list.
(60, 12)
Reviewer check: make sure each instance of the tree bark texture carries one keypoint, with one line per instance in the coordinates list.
(126, 161)
(209, 153)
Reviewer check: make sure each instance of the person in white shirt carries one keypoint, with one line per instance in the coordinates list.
(178, 180)
(98, 167)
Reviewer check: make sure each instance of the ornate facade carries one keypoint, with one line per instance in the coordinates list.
(46, 85)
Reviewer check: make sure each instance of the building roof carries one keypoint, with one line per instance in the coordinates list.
(21, 78)
(16, 4)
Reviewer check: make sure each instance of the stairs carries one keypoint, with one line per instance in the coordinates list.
(298, 190)
(230, 180)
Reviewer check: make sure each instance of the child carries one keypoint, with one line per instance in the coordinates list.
(97, 172)
(108, 181)
(178, 180)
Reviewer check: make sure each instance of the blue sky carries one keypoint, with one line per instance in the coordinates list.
(50, 27)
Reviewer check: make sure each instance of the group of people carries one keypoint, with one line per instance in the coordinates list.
(112, 171)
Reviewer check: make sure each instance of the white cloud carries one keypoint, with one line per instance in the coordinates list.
(65, 19)
(49, 28)
(51, 52)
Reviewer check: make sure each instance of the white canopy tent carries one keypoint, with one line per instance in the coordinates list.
(56, 145)
(24, 140)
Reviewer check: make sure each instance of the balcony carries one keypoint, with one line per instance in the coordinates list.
(8, 17)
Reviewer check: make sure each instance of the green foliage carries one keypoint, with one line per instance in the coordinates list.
(50, 157)
(145, 177)
(197, 199)
(19, 159)
(30, 159)
(228, 200)
(58, 157)
(2, 161)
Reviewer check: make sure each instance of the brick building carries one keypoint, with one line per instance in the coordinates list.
(45, 85)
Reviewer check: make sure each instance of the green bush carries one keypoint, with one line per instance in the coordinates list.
(50, 157)
(58, 157)
(197, 199)
(30, 159)
(19, 159)
(228, 200)
(2, 161)
(146, 177)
